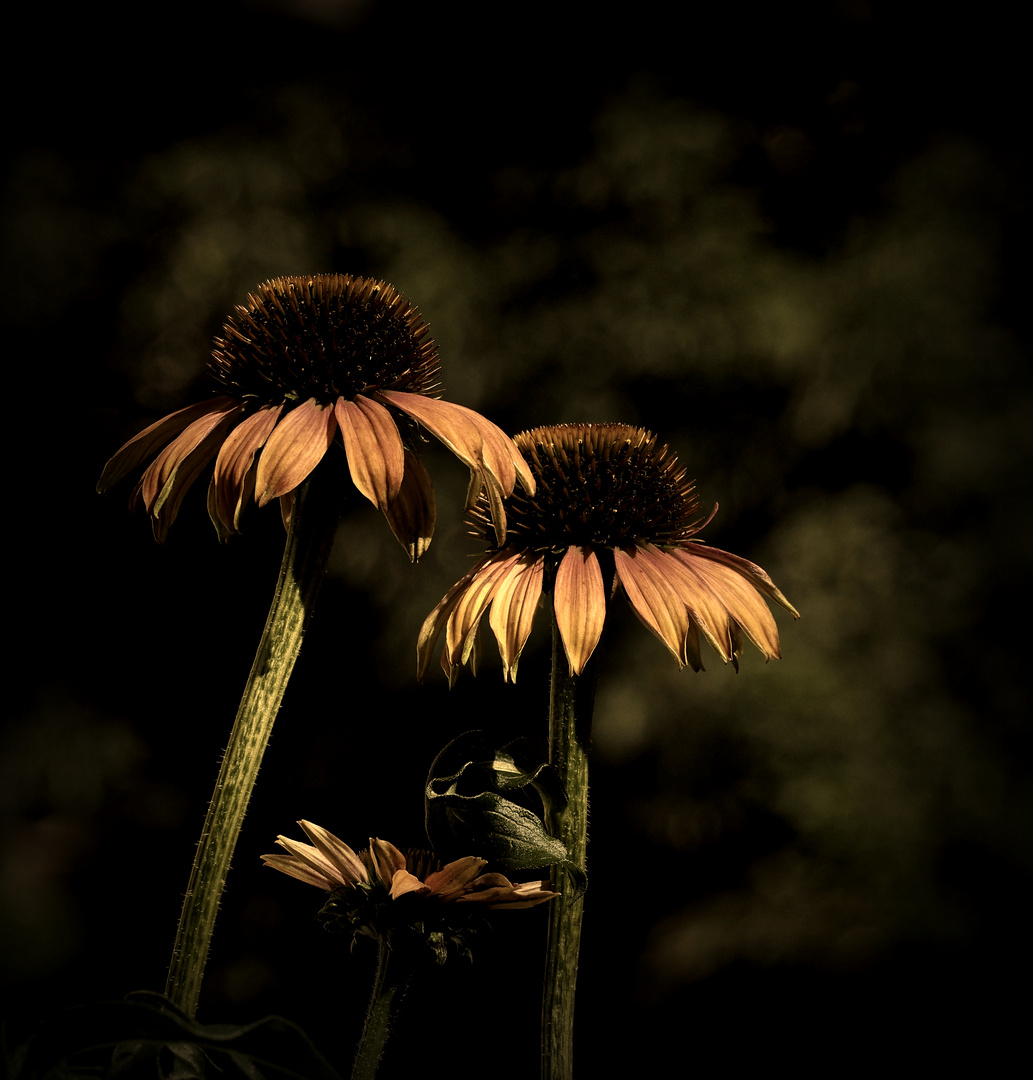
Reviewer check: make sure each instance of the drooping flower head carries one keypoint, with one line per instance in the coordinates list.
(394, 896)
(307, 360)
(610, 510)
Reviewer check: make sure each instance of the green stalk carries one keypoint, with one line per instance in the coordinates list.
(389, 985)
(309, 539)
(571, 700)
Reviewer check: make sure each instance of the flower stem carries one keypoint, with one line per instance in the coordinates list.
(389, 985)
(570, 720)
(310, 536)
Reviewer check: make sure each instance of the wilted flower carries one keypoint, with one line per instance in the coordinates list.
(610, 510)
(396, 897)
(305, 360)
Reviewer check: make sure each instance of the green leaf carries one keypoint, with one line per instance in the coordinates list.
(477, 798)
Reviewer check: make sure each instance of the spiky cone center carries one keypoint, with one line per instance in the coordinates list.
(599, 486)
(324, 336)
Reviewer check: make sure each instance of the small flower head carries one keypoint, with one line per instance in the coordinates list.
(397, 897)
(610, 510)
(307, 362)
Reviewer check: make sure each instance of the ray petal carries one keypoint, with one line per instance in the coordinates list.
(154, 483)
(739, 596)
(455, 877)
(513, 608)
(386, 858)
(294, 449)
(751, 571)
(652, 598)
(336, 852)
(142, 447)
(471, 604)
(184, 472)
(436, 621)
(580, 602)
(289, 864)
(235, 460)
(411, 513)
(376, 458)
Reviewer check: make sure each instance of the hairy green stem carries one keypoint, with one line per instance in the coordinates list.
(309, 539)
(570, 720)
(389, 986)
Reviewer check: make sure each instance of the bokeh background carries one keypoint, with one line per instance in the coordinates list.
(789, 239)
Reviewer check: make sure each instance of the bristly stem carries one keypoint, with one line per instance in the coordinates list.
(389, 986)
(570, 720)
(310, 536)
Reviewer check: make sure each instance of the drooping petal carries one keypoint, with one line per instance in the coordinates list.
(411, 513)
(154, 486)
(436, 621)
(337, 852)
(743, 602)
(490, 454)
(580, 601)
(141, 448)
(652, 598)
(294, 449)
(513, 606)
(453, 879)
(471, 605)
(376, 458)
(751, 571)
(183, 461)
(234, 462)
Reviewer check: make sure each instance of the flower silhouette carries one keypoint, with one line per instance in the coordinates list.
(610, 510)
(305, 360)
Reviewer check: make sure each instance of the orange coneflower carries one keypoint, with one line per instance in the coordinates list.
(305, 360)
(610, 510)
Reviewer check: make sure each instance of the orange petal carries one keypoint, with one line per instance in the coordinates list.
(142, 447)
(403, 883)
(751, 571)
(235, 460)
(154, 486)
(472, 603)
(652, 598)
(580, 603)
(294, 449)
(374, 448)
(454, 878)
(738, 595)
(411, 512)
(514, 603)
(436, 621)
(491, 455)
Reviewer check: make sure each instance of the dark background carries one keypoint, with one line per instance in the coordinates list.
(787, 238)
